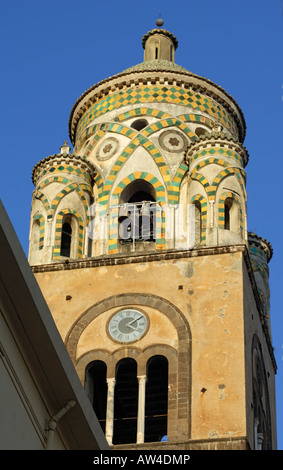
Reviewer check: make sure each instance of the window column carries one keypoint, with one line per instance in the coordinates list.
(110, 410)
(141, 409)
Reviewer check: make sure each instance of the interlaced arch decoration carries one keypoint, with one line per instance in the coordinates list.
(69, 187)
(137, 139)
(211, 189)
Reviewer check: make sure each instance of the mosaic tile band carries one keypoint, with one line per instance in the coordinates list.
(158, 94)
(41, 221)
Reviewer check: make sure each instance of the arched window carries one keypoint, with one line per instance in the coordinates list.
(156, 401)
(96, 389)
(69, 237)
(125, 402)
(198, 224)
(227, 215)
(156, 50)
(66, 240)
(35, 234)
(200, 131)
(231, 215)
(130, 408)
(137, 213)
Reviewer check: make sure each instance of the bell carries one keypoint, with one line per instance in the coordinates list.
(145, 210)
(123, 213)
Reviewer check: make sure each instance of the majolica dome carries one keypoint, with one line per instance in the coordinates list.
(157, 79)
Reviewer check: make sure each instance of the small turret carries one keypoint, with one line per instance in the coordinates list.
(159, 44)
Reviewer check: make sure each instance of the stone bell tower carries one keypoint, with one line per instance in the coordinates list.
(139, 242)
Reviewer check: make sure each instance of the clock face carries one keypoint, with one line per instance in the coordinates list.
(127, 325)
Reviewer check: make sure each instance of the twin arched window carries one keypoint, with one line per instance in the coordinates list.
(138, 415)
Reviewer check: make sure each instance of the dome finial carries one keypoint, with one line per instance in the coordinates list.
(159, 22)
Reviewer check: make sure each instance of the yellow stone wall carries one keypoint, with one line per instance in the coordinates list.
(207, 291)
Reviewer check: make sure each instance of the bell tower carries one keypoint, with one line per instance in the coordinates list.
(139, 242)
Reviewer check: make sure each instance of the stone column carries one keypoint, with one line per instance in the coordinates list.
(141, 409)
(110, 410)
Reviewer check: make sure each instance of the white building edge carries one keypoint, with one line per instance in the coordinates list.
(43, 404)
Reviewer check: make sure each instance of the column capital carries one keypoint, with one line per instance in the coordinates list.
(142, 378)
(111, 381)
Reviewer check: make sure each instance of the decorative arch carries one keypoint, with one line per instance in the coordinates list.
(68, 189)
(58, 233)
(69, 186)
(174, 192)
(203, 205)
(212, 188)
(210, 161)
(201, 179)
(168, 122)
(225, 152)
(137, 112)
(221, 210)
(37, 194)
(39, 218)
(141, 356)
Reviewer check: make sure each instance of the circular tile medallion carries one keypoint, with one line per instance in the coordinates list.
(107, 149)
(172, 141)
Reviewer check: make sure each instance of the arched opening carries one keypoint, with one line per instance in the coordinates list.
(125, 402)
(231, 215)
(96, 389)
(199, 131)
(198, 224)
(156, 50)
(69, 237)
(35, 235)
(227, 209)
(156, 402)
(66, 240)
(137, 213)
(139, 124)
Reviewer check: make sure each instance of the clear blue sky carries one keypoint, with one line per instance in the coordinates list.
(51, 52)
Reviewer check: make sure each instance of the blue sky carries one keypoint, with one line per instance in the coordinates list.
(51, 52)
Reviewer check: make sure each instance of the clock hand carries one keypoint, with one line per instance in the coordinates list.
(134, 320)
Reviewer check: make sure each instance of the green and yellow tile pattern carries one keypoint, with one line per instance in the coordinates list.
(158, 94)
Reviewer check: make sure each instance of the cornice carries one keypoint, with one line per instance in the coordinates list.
(261, 243)
(59, 159)
(159, 31)
(216, 138)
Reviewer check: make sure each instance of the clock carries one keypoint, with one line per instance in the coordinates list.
(127, 325)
